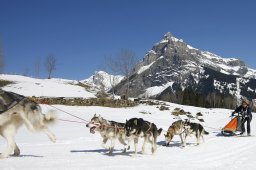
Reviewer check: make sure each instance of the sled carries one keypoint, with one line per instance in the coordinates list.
(232, 127)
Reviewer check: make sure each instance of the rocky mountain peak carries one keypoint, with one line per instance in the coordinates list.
(102, 80)
(178, 52)
(168, 35)
(173, 65)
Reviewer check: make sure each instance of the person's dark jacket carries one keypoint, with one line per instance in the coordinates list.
(245, 112)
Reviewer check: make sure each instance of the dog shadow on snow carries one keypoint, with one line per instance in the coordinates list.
(104, 152)
(28, 156)
(23, 156)
(173, 144)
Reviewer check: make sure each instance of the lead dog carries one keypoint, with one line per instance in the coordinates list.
(109, 130)
(137, 127)
(19, 112)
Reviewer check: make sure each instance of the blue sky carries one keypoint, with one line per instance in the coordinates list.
(79, 33)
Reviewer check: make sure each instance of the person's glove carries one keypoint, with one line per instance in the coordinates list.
(233, 113)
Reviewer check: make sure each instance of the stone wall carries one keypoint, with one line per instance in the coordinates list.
(86, 102)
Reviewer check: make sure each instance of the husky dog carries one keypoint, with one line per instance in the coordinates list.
(22, 111)
(108, 130)
(184, 129)
(194, 128)
(137, 127)
(177, 128)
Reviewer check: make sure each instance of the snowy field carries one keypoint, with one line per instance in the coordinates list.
(45, 87)
(77, 149)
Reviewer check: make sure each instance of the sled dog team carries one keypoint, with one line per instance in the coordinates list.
(136, 128)
(16, 110)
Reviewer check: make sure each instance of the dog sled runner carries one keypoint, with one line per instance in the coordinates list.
(232, 127)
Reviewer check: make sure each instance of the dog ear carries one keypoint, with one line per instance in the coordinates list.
(135, 122)
(100, 118)
(94, 115)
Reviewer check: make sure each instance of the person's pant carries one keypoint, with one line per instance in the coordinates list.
(248, 120)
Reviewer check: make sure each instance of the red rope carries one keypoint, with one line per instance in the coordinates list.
(70, 114)
(80, 118)
(73, 121)
(46, 103)
(84, 121)
(103, 125)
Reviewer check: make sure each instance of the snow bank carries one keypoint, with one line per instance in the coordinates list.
(45, 87)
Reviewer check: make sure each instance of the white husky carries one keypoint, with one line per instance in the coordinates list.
(28, 112)
(109, 130)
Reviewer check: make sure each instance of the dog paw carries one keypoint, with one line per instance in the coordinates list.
(53, 138)
(127, 147)
(166, 144)
(16, 152)
(124, 151)
(183, 146)
(153, 151)
(3, 156)
(110, 151)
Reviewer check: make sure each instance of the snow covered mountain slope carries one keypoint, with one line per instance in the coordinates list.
(45, 87)
(172, 66)
(102, 80)
(77, 149)
(182, 53)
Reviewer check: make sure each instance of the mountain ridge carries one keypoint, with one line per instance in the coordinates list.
(102, 80)
(173, 64)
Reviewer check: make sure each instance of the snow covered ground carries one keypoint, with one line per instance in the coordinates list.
(77, 149)
(45, 87)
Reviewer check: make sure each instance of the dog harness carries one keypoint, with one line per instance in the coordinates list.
(148, 131)
(150, 125)
(102, 126)
(8, 100)
(186, 128)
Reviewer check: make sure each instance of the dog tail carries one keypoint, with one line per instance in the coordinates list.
(50, 117)
(159, 131)
(206, 133)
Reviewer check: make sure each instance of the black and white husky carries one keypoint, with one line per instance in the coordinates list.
(194, 128)
(184, 129)
(137, 127)
(109, 130)
(23, 111)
